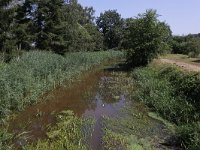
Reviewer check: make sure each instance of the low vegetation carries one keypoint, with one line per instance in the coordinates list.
(69, 133)
(43, 44)
(174, 95)
(28, 77)
(25, 79)
(114, 141)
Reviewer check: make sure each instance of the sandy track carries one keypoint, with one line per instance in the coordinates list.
(183, 65)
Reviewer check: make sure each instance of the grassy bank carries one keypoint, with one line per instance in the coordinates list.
(26, 78)
(173, 94)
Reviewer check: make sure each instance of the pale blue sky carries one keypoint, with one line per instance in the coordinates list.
(182, 15)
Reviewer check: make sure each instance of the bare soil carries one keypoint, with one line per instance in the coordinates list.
(183, 65)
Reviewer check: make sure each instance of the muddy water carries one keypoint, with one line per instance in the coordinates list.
(108, 104)
(98, 94)
(84, 97)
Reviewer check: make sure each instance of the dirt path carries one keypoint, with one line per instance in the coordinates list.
(183, 65)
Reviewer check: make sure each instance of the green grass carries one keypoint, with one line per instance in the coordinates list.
(5, 140)
(24, 80)
(174, 95)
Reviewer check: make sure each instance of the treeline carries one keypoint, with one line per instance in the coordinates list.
(188, 45)
(58, 26)
(65, 26)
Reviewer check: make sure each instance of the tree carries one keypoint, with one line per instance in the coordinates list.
(84, 34)
(193, 47)
(110, 24)
(188, 45)
(59, 26)
(6, 26)
(96, 38)
(86, 15)
(50, 25)
(147, 37)
(24, 27)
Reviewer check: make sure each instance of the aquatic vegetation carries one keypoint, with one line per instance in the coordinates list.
(133, 128)
(113, 141)
(67, 134)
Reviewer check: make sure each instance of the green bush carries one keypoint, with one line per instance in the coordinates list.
(189, 45)
(186, 85)
(159, 95)
(174, 94)
(147, 37)
(188, 134)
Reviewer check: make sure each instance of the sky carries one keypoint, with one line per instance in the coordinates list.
(183, 16)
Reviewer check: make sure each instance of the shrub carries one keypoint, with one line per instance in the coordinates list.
(147, 38)
(187, 85)
(189, 136)
(174, 94)
(159, 95)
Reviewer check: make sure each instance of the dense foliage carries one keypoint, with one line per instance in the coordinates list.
(6, 26)
(60, 26)
(66, 28)
(146, 38)
(189, 45)
(174, 95)
(110, 24)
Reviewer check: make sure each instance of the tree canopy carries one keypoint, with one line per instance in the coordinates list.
(110, 24)
(58, 26)
(146, 38)
(65, 26)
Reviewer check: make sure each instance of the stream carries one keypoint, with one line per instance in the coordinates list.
(102, 92)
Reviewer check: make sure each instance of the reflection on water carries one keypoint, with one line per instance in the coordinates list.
(97, 94)
(90, 96)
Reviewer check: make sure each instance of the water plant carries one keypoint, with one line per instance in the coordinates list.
(67, 134)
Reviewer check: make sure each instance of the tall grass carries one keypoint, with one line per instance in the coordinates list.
(174, 94)
(25, 79)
